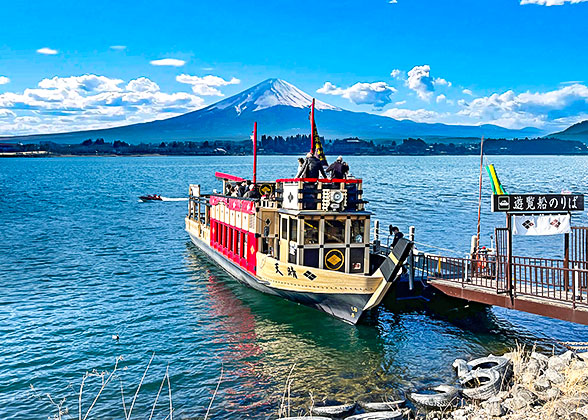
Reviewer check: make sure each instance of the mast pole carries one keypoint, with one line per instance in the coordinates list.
(312, 127)
(254, 153)
(480, 195)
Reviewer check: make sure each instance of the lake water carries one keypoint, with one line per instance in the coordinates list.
(82, 259)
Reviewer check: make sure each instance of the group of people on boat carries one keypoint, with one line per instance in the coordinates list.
(245, 189)
(312, 167)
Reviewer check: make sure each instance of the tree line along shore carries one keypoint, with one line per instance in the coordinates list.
(299, 144)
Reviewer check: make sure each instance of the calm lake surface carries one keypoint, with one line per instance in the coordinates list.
(82, 259)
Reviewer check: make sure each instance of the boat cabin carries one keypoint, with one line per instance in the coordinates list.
(320, 223)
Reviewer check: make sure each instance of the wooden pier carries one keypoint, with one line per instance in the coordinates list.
(556, 288)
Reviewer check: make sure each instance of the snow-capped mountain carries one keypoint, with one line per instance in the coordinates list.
(279, 108)
(272, 92)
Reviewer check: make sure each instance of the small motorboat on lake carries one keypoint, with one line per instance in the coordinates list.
(151, 197)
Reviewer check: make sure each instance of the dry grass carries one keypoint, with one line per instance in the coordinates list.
(104, 378)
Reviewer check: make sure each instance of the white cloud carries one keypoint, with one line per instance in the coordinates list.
(539, 109)
(377, 94)
(142, 84)
(439, 81)
(418, 115)
(468, 92)
(551, 2)
(400, 103)
(207, 85)
(86, 83)
(87, 102)
(174, 62)
(441, 98)
(393, 1)
(420, 81)
(118, 47)
(47, 51)
(397, 74)
(4, 80)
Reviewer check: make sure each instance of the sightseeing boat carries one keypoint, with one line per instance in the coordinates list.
(306, 240)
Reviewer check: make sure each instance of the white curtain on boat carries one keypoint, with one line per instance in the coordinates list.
(541, 225)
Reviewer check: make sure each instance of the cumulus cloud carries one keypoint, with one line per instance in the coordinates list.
(47, 51)
(142, 84)
(207, 85)
(441, 98)
(89, 101)
(4, 80)
(420, 81)
(118, 47)
(173, 62)
(86, 83)
(468, 92)
(551, 2)
(418, 115)
(397, 74)
(539, 109)
(439, 81)
(377, 94)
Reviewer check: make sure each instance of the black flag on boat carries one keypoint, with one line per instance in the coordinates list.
(316, 146)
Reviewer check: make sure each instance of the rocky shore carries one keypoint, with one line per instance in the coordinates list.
(519, 385)
(541, 387)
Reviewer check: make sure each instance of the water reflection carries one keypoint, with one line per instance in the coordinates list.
(259, 338)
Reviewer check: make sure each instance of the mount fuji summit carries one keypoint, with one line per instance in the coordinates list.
(279, 108)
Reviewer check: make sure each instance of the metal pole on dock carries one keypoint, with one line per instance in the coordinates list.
(376, 235)
(411, 259)
(480, 195)
(254, 153)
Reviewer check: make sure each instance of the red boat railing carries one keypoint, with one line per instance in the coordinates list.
(321, 180)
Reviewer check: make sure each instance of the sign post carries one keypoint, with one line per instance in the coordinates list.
(535, 206)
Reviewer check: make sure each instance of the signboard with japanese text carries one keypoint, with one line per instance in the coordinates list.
(537, 203)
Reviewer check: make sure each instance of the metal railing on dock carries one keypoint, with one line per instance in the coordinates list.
(547, 282)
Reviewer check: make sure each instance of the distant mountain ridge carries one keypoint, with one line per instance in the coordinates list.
(578, 131)
(280, 108)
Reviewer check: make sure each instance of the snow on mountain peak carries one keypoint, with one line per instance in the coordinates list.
(270, 93)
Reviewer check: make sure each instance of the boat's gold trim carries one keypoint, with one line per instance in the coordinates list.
(308, 279)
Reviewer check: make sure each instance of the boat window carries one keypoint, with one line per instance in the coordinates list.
(238, 247)
(311, 257)
(356, 256)
(294, 230)
(230, 243)
(244, 250)
(357, 231)
(284, 228)
(334, 231)
(311, 232)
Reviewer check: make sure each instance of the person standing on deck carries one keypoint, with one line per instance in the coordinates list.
(338, 169)
(397, 235)
(252, 193)
(311, 168)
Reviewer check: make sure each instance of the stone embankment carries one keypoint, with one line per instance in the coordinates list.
(515, 386)
(540, 387)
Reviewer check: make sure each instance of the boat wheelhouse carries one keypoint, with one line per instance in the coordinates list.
(306, 240)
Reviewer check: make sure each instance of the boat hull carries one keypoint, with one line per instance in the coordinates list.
(347, 307)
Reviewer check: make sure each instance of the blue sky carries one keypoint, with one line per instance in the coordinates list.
(460, 61)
